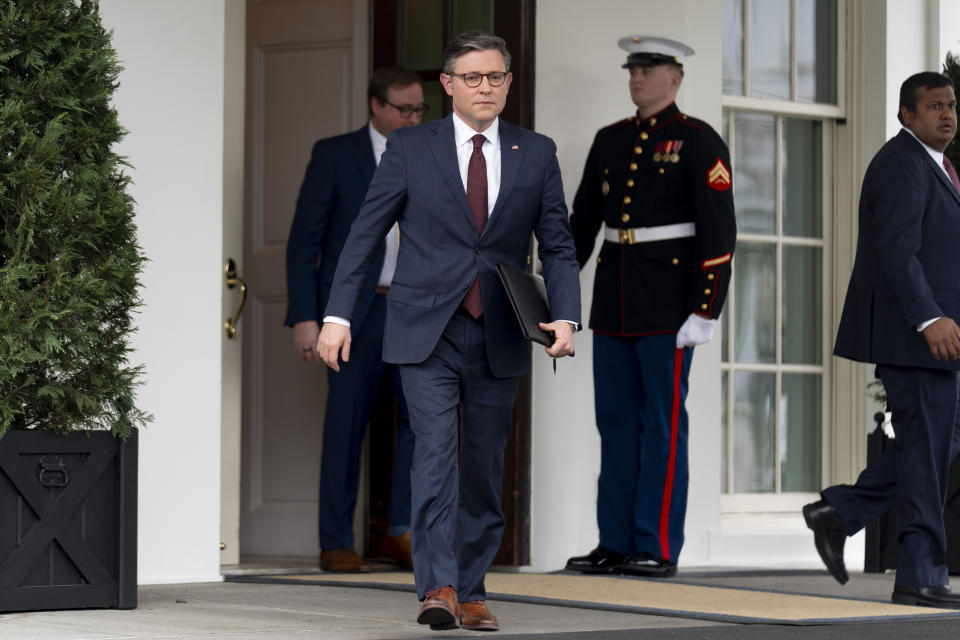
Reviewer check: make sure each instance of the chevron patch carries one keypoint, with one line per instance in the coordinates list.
(718, 178)
(719, 260)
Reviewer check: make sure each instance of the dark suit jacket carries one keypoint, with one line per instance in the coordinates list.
(333, 188)
(418, 183)
(906, 269)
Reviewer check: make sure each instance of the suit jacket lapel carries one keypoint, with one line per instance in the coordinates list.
(511, 155)
(443, 145)
(940, 173)
(363, 153)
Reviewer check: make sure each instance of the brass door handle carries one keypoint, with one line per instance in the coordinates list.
(233, 280)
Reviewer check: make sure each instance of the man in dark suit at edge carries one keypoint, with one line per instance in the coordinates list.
(467, 192)
(336, 181)
(901, 313)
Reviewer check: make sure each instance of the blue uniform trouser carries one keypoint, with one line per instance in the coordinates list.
(352, 392)
(461, 415)
(912, 474)
(640, 385)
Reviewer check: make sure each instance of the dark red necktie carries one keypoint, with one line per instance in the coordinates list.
(477, 199)
(951, 172)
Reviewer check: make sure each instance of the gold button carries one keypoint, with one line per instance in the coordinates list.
(633, 166)
(706, 291)
(629, 183)
(637, 150)
(676, 261)
(606, 171)
(626, 200)
(653, 121)
(598, 259)
(636, 40)
(704, 306)
(625, 217)
(643, 135)
(709, 276)
(661, 170)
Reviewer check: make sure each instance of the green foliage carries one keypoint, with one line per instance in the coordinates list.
(69, 261)
(951, 68)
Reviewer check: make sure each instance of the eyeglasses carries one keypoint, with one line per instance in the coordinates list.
(407, 111)
(473, 79)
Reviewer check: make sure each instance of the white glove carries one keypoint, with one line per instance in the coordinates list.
(695, 330)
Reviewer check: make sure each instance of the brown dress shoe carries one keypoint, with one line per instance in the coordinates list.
(439, 609)
(342, 561)
(397, 548)
(475, 616)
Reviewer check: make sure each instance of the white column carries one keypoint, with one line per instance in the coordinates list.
(170, 100)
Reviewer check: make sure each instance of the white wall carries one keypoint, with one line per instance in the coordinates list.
(949, 30)
(171, 100)
(580, 88)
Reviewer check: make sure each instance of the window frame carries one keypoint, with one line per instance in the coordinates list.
(735, 504)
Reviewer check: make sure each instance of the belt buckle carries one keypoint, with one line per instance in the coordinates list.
(626, 236)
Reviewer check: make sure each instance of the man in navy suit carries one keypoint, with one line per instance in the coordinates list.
(901, 313)
(467, 192)
(336, 181)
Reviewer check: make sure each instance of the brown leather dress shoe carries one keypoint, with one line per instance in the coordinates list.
(342, 561)
(476, 617)
(439, 609)
(397, 548)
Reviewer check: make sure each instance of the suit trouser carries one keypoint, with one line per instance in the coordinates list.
(454, 399)
(913, 473)
(349, 403)
(640, 385)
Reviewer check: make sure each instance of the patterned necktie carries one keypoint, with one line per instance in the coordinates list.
(477, 199)
(951, 172)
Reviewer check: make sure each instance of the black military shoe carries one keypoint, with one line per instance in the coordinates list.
(600, 560)
(828, 535)
(649, 566)
(940, 596)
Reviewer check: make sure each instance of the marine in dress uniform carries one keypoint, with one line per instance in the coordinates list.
(657, 189)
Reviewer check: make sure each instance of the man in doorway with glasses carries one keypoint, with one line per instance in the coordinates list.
(335, 184)
(658, 184)
(468, 191)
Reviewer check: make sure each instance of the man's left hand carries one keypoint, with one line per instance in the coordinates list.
(562, 332)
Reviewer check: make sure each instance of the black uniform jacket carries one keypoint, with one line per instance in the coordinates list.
(664, 170)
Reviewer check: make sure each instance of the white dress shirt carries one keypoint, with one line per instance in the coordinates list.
(462, 134)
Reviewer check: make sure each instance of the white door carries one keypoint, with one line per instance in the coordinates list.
(306, 71)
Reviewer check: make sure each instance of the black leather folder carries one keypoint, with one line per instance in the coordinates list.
(528, 297)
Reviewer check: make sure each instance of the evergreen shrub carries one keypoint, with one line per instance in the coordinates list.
(69, 259)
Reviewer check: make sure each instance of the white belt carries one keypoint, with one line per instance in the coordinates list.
(635, 235)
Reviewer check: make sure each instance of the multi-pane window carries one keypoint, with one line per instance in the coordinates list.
(780, 49)
(780, 81)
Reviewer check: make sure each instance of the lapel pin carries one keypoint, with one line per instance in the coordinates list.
(514, 147)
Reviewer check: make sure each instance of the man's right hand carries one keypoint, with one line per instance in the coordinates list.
(305, 340)
(943, 336)
(333, 338)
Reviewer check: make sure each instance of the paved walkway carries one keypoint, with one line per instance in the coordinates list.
(238, 611)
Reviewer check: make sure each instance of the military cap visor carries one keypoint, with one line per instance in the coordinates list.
(649, 60)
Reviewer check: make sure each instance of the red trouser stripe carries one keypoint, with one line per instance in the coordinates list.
(672, 460)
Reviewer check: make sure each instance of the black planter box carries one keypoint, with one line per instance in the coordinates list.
(68, 521)
(882, 547)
